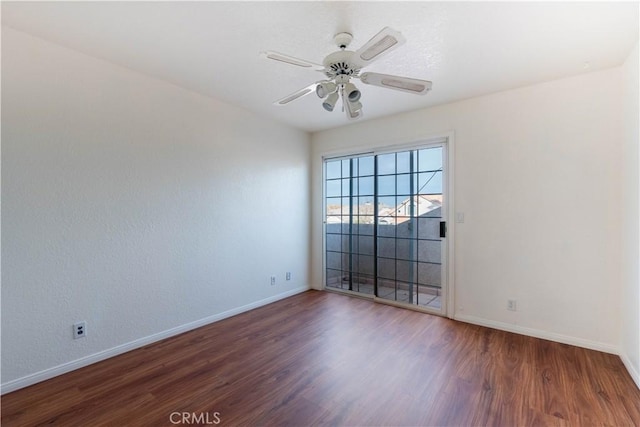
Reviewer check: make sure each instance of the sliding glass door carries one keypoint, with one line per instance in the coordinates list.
(384, 225)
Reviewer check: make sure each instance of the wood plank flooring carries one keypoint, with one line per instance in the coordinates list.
(324, 359)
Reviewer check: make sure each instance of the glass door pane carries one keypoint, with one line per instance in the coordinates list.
(383, 217)
(408, 227)
(349, 222)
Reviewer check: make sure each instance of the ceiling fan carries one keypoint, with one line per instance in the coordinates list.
(342, 66)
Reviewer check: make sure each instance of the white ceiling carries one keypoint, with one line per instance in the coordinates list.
(466, 49)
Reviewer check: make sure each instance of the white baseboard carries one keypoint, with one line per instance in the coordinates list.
(565, 339)
(46, 374)
(635, 375)
(537, 333)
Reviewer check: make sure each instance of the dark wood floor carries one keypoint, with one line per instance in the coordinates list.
(324, 359)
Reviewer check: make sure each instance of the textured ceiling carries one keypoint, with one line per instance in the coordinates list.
(465, 49)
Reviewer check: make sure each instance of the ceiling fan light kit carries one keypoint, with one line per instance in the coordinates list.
(330, 103)
(352, 92)
(325, 88)
(355, 106)
(343, 65)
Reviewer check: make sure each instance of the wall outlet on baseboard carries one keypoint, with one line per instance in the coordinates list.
(79, 330)
(511, 305)
(273, 280)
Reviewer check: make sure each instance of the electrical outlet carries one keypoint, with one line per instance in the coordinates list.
(79, 330)
(511, 305)
(273, 280)
(288, 275)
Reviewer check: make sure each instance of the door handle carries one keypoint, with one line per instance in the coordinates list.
(443, 229)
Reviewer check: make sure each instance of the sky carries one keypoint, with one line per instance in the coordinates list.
(394, 177)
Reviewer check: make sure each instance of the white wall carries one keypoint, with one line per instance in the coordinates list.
(630, 302)
(134, 205)
(537, 174)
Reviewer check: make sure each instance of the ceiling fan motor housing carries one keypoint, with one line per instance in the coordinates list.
(339, 64)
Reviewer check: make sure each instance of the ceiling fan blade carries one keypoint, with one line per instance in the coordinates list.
(382, 43)
(404, 84)
(297, 94)
(276, 56)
